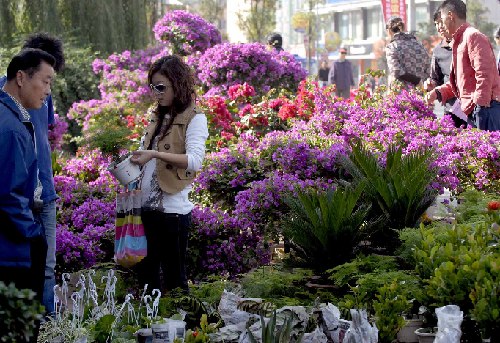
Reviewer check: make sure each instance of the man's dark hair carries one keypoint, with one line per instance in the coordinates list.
(29, 61)
(437, 15)
(49, 44)
(275, 40)
(455, 6)
(497, 33)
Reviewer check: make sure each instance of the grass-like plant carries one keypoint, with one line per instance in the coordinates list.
(399, 189)
(327, 226)
(110, 138)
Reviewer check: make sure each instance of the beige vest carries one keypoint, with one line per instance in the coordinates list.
(170, 178)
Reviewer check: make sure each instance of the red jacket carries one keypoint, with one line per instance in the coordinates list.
(473, 78)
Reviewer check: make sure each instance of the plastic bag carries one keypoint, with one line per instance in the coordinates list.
(449, 321)
(130, 238)
(361, 331)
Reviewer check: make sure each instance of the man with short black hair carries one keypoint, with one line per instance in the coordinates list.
(473, 77)
(440, 71)
(23, 246)
(42, 118)
(341, 75)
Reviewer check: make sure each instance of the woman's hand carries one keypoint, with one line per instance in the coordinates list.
(141, 157)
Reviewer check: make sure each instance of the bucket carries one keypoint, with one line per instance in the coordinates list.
(125, 171)
(144, 336)
(161, 333)
(177, 329)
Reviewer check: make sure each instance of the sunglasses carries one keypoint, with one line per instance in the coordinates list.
(159, 88)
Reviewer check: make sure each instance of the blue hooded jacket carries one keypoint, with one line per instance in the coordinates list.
(18, 178)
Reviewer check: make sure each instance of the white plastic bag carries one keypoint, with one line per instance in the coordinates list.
(361, 331)
(449, 321)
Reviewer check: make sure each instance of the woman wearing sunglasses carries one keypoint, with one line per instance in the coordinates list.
(172, 150)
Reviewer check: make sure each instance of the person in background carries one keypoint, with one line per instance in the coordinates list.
(474, 78)
(171, 151)
(23, 247)
(441, 66)
(407, 58)
(497, 40)
(42, 118)
(323, 73)
(341, 75)
(275, 41)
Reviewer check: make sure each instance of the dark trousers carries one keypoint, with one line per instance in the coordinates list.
(456, 120)
(167, 236)
(487, 118)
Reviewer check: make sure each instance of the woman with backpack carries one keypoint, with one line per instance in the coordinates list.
(407, 58)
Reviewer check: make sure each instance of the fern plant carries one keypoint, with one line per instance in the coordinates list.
(327, 226)
(400, 189)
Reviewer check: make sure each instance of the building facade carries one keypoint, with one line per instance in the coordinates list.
(358, 24)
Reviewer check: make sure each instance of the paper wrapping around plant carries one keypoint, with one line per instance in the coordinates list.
(130, 238)
(361, 331)
(449, 321)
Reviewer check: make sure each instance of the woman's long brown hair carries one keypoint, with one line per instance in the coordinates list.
(181, 77)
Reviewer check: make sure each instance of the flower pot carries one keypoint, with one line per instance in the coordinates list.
(160, 332)
(407, 333)
(125, 171)
(424, 336)
(144, 336)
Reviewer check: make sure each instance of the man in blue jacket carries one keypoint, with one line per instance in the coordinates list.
(41, 119)
(22, 241)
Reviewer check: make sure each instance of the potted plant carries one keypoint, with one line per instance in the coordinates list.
(112, 139)
(426, 335)
(19, 311)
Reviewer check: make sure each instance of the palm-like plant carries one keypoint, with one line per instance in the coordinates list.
(400, 190)
(327, 226)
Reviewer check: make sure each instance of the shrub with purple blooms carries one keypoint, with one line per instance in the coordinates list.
(186, 33)
(229, 64)
(85, 211)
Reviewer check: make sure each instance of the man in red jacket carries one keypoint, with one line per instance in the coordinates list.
(473, 78)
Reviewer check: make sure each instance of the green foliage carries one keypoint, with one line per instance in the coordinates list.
(270, 282)
(102, 328)
(211, 291)
(389, 307)
(200, 335)
(18, 312)
(472, 206)
(410, 238)
(259, 20)
(349, 273)
(108, 26)
(399, 189)
(363, 294)
(270, 334)
(77, 80)
(328, 226)
(460, 265)
(108, 137)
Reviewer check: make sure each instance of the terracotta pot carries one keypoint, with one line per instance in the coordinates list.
(425, 337)
(407, 333)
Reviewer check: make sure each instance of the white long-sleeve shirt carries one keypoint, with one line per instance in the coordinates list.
(153, 198)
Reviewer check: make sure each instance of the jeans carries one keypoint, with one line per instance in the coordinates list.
(486, 118)
(47, 217)
(167, 236)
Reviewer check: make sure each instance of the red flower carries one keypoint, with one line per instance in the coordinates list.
(493, 205)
